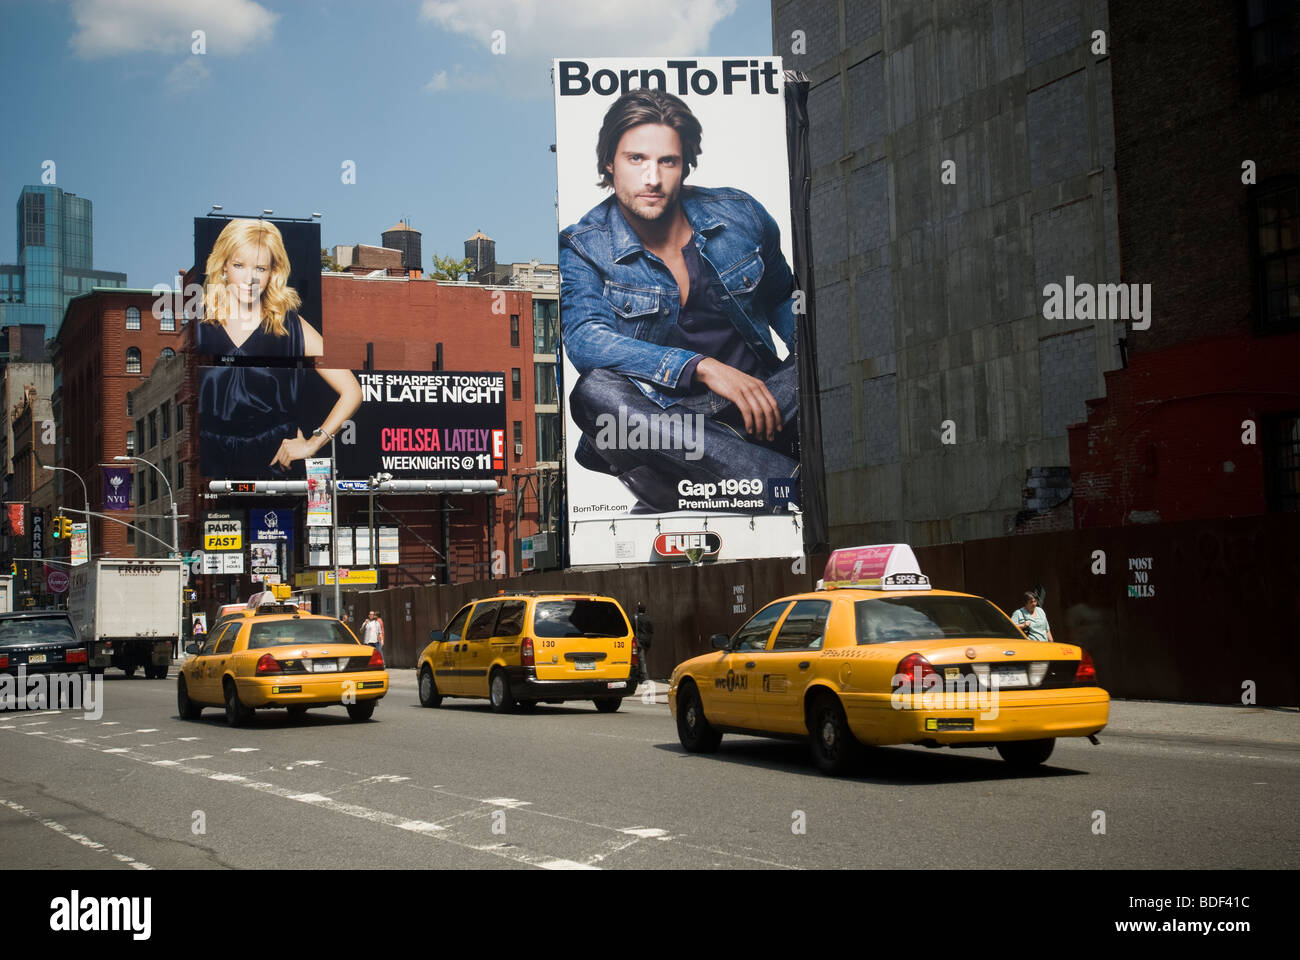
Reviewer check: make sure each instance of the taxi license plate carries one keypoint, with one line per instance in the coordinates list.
(584, 664)
(325, 666)
(616, 685)
(1011, 678)
(36, 658)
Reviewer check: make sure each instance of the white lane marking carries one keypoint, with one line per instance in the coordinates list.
(148, 730)
(308, 763)
(80, 838)
(119, 750)
(565, 865)
(228, 777)
(243, 750)
(508, 802)
(645, 833)
(165, 763)
(383, 778)
(188, 739)
(111, 723)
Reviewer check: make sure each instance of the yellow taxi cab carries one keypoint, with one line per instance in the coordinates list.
(271, 654)
(874, 656)
(519, 649)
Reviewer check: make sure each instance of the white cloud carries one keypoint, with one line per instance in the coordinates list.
(187, 76)
(537, 31)
(437, 82)
(457, 79)
(108, 28)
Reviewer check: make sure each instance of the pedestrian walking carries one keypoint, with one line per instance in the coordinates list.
(1032, 619)
(372, 632)
(642, 634)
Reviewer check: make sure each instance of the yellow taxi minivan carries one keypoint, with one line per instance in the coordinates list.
(272, 655)
(517, 650)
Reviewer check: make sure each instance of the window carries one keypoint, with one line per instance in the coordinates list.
(167, 466)
(514, 329)
(167, 322)
(130, 534)
(544, 383)
(227, 642)
(511, 621)
(132, 359)
(753, 635)
(180, 474)
(1275, 213)
(153, 485)
(168, 352)
(548, 437)
(485, 618)
(130, 442)
(33, 219)
(133, 318)
(1282, 461)
(891, 619)
(456, 628)
(180, 416)
(1267, 52)
(519, 433)
(516, 388)
(165, 416)
(139, 435)
(153, 429)
(805, 627)
(130, 405)
(544, 326)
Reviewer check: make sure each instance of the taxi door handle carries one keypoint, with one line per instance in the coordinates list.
(750, 665)
(803, 664)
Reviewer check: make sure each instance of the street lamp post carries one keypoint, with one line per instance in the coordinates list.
(375, 481)
(85, 492)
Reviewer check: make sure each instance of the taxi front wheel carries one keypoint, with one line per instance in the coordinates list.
(429, 695)
(834, 747)
(1027, 753)
(695, 732)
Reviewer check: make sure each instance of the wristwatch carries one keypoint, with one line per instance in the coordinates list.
(320, 432)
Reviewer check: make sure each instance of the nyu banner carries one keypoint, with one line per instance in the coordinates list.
(117, 488)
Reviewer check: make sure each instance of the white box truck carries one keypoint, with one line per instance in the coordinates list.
(6, 594)
(128, 612)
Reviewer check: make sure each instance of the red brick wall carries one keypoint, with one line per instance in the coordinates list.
(93, 343)
(1166, 442)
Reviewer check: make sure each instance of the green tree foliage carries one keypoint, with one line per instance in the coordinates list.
(447, 268)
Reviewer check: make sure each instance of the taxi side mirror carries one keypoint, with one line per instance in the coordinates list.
(192, 649)
(719, 641)
(436, 636)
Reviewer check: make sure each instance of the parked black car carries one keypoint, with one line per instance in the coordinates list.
(42, 641)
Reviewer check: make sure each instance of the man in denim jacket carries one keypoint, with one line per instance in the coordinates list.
(669, 295)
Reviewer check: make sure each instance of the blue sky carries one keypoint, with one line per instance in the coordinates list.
(441, 129)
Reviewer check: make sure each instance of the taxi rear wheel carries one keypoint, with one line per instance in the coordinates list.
(693, 730)
(503, 701)
(608, 704)
(1027, 753)
(237, 715)
(834, 747)
(361, 710)
(187, 708)
(429, 695)
(297, 713)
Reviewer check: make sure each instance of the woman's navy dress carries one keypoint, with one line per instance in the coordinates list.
(245, 412)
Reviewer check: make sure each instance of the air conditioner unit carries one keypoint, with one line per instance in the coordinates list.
(519, 449)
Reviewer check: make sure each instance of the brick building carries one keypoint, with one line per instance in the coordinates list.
(1205, 419)
(106, 343)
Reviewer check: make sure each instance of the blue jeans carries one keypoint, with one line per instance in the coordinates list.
(726, 450)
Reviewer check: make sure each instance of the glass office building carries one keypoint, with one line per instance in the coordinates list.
(55, 259)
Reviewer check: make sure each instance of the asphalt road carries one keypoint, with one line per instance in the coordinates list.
(566, 787)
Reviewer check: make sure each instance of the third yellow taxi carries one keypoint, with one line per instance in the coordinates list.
(271, 654)
(874, 656)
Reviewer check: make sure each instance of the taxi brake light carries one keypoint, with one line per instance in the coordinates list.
(526, 652)
(913, 673)
(4, 661)
(76, 656)
(376, 659)
(636, 654)
(1087, 673)
(268, 664)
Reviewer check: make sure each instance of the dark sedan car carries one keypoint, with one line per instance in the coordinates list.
(40, 641)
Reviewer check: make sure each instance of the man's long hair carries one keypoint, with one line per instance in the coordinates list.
(637, 107)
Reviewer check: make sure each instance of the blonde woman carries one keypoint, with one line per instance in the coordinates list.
(251, 418)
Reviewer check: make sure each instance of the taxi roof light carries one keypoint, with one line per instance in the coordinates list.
(882, 566)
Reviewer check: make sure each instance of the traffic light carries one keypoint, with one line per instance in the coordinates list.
(58, 527)
(62, 527)
(67, 527)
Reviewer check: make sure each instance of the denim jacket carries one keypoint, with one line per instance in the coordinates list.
(619, 302)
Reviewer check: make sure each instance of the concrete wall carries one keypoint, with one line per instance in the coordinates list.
(932, 292)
